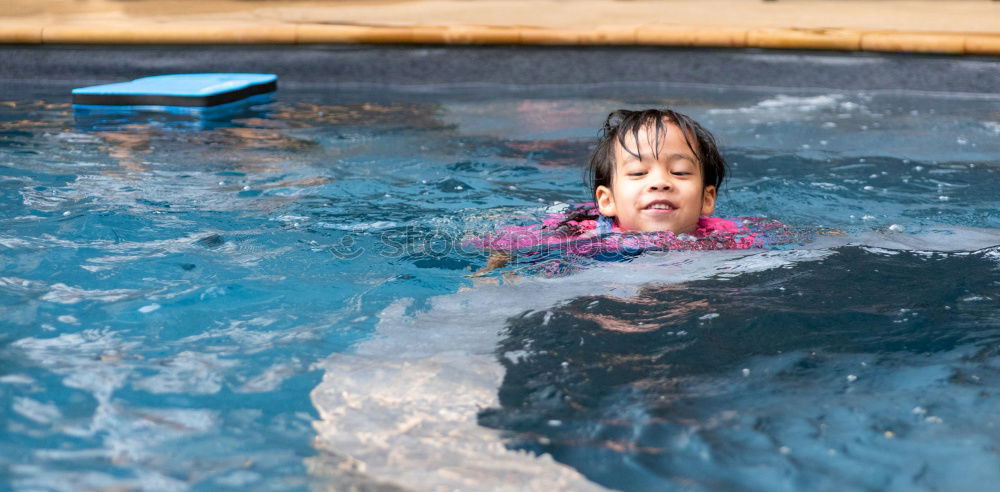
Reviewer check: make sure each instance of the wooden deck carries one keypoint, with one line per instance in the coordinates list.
(924, 26)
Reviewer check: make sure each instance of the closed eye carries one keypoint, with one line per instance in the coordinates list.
(638, 173)
(681, 173)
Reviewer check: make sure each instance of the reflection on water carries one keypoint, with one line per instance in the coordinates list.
(558, 153)
(394, 114)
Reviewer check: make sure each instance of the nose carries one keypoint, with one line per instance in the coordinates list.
(659, 181)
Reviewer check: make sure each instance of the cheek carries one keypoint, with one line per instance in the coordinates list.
(696, 194)
(626, 192)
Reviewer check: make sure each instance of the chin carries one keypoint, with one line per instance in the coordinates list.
(661, 227)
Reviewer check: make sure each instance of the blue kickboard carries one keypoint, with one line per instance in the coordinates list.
(191, 91)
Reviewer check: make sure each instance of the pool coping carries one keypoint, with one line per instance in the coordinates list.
(850, 25)
(788, 38)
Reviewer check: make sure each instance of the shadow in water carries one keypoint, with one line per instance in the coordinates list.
(712, 384)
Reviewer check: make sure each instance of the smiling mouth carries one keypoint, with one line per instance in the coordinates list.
(660, 207)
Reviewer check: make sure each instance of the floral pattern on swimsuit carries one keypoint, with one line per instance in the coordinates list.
(601, 236)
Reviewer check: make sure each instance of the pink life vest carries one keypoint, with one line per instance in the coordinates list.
(601, 236)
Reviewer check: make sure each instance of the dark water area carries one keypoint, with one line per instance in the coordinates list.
(810, 376)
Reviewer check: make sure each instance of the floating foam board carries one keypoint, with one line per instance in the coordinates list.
(184, 93)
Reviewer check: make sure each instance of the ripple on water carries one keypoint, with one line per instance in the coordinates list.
(808, 373)
(170, 285)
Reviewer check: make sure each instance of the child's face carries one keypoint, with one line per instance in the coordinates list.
(653, 194)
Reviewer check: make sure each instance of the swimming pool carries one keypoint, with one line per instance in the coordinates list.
(278, 300)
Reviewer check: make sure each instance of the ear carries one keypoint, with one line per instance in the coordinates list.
(708, 200)
(605, 201)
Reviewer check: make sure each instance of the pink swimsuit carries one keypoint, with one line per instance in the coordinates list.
(596, 237)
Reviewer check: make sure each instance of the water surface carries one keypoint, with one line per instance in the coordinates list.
(170, 287)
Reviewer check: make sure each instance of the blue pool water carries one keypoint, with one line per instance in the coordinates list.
(280, 299)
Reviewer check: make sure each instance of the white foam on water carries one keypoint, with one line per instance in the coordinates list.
(191, 373)
(788, 106)
(97, 361)
(271, 378)
(402, 409)
(61, 293)
(944, 239)
(253, 335)
(41, 413)
(66, 294)
(360, 226)
(16, 379)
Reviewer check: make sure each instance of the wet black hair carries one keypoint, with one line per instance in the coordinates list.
(621, 123)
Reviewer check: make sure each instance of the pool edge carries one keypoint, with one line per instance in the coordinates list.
(792, 38)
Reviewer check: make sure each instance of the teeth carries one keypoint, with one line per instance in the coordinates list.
(661, 206)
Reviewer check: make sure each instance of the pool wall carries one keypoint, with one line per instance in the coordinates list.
(507, 67)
